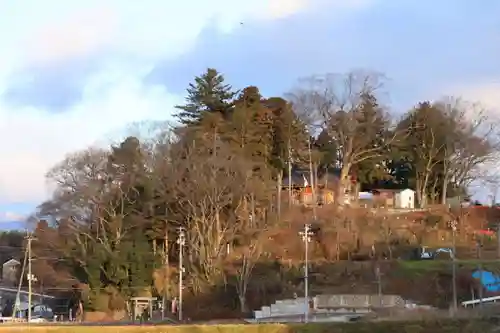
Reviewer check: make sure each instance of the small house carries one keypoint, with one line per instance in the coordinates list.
(404, 199)
(326, 184)
(10, 272)
(383, 198)
(398, 199)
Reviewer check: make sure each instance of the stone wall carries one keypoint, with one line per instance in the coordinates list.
(334, 304)
(357, 301)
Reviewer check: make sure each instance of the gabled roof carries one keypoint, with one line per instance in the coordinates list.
(11, 262)
(388, 191)
(301, 178)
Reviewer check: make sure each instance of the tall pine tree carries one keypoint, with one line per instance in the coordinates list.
(208, 94)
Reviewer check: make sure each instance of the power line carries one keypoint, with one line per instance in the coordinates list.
(105, 288)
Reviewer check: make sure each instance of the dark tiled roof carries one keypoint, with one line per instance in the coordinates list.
(328, 179)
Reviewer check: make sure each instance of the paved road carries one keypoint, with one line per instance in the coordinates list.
(122, 323)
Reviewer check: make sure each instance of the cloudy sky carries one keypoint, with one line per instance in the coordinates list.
(71, 72)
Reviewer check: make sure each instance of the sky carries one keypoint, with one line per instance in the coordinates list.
(73, 73)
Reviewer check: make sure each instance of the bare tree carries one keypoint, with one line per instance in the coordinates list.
(243, 261)
(79, 193)
(386, 234)
(425, 144)
(77, 181)
(473, 143)
(346, 107)
(209, 190)
(97, 213)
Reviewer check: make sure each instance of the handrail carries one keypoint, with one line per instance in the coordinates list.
(481, 300)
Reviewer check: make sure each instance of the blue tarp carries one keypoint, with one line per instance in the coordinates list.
(489, 280)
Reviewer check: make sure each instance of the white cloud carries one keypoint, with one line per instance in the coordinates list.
(35, 140)
(130, 37)
(487, 93)
(55, 30)
(12, 217)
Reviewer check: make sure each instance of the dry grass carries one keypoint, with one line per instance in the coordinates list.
(358, 229)
(150, 329)
(421, 326)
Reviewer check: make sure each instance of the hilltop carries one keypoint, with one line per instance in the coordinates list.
(215, 187)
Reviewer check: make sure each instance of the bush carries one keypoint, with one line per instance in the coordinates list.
(433, 221)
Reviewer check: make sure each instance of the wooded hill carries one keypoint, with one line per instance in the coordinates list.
(217, 175)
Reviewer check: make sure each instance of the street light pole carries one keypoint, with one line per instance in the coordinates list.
(181, 241)
(306, 237)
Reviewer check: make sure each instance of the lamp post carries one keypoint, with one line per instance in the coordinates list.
(181, 241)
(306, 237)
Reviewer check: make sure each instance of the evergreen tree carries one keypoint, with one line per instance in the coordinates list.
(250, 125)
(327, 147)
(208, 94)
(288, 134)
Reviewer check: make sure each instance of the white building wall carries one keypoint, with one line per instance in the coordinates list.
(397, 200)
(405, 199)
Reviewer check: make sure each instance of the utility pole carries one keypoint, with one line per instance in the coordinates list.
(166, 271)
(498, 240)
(31, 278)
(453, 225)
(306, 237)
(181, 241)
(379, 279)
(480, 269)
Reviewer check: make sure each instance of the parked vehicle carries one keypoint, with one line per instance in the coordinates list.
(425, 253)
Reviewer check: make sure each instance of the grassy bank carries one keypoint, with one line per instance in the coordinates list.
(444, 326)
(422, 266)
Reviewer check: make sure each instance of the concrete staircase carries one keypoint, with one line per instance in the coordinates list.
(326, 308)
(286, 307)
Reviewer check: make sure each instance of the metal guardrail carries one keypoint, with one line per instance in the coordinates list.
(473, 302)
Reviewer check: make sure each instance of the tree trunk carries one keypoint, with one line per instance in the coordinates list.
(422, 190)
(252, 210)
(289, 176)
(338, 245)
(243, 303)
(435, 193)
(167, 269)
(312, 180)
(418, 191)
(280, 187)
(316, 190)
(389, 247)
(343, 181)
(444, 189)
